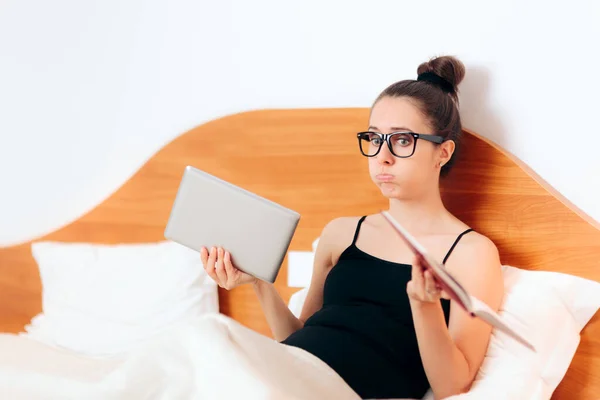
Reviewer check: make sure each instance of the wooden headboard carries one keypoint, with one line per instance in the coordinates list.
(308, 160)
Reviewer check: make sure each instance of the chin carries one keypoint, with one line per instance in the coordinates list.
(391, 190)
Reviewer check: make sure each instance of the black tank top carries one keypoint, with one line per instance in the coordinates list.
(365, 331)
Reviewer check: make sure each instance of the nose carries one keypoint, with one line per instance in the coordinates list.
(385, 157)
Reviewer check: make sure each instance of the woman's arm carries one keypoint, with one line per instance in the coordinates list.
(452, 356)
(220, 267)
(279, 317)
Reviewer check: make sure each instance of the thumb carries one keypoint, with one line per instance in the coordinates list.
(410, 287)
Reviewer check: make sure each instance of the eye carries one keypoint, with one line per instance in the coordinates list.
(372, 138)
(375, 140)
(402, 140)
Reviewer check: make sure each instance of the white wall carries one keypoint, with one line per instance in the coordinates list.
(90, 89)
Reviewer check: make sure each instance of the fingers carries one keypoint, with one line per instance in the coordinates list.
(204, 256)
(209, 265)
(411, 290)
(423, 286)
(417, 273)
(414, 288)
(229, 268)
(220, 267)
(430, 285)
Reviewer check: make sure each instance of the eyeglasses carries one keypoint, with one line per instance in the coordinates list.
(401, 144)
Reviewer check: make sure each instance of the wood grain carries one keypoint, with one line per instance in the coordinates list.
(308, 160)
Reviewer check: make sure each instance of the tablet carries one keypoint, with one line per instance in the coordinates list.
(209, 211)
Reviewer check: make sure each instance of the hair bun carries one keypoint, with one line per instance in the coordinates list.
(448, 68)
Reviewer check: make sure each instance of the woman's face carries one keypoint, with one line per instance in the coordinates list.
(403, 178)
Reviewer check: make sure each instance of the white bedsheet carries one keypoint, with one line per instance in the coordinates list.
(211, 357)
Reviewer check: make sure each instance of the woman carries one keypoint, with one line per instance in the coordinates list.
(378, 320)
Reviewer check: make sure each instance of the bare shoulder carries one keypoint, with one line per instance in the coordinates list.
(337, 235)
(340, 225)
(476, 262)
(475, 245)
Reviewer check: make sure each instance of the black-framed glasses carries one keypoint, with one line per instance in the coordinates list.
(401, 144)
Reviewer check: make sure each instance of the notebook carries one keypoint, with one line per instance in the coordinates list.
(449, 284)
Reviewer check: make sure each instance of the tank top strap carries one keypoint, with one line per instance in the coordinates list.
(360, 221)
(455, 243)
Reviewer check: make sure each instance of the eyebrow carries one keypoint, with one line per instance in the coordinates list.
(393, 128)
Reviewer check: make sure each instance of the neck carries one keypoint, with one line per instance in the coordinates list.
(419, 215)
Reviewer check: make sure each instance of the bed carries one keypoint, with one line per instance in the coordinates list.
(307, 159)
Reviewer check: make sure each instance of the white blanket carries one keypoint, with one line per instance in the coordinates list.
(212, 357)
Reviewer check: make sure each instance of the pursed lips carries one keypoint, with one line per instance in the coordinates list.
(385, 177)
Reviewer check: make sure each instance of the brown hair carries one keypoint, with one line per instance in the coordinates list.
(438, 102)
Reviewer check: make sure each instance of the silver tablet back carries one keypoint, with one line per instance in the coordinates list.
(209, 211)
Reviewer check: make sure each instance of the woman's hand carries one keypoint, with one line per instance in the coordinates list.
(423, 286)
(217, 264)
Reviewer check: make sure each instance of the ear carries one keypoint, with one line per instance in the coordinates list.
(445, 152)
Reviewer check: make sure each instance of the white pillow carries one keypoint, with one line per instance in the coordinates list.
(551, 308)
(103, 299)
